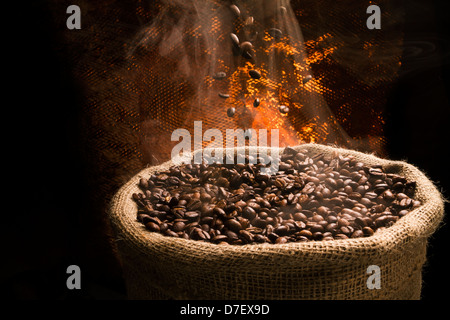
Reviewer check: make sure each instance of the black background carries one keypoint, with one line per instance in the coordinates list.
(41, 140)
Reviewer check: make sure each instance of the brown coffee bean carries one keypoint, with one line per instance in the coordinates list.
(247, 236)
(178, 226)
(298, 216)
(361, 222)
(357, 234)
(192, 215)
(254, 74)
(281, 230)
(231, 111)
(246, 46)
(223, 75)
(317, 228)
(275, 33)
(317, 235)
(171, 233)
(151, 226)
(368, 231)
(235, 10)
(256, 103)
(281, 240)
(233, 225)
(343, 222)
(143, 183)
(306, 79)
(305, 233)
(283, 109)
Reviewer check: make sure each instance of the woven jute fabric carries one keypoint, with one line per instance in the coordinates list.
(160, 267)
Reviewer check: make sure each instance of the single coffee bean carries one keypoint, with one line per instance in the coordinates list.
(224, 95)
(231, 235)
(233, 225)
(306, 79)
(178, 226)
(247, 236)
(143, 183)
(192, 215)
(249, 21)
(151, 226)
(235, 10)
(246, 46)
(357, 234)
(281, 230)
(222, 75)
(249, 213)
(254, 74)
(276, 33)
(281, 240)
(283, 109)
(231, 111)
(220, 237)
(256, 103)
(368, 231)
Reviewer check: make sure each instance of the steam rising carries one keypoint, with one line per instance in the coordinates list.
(189, 41)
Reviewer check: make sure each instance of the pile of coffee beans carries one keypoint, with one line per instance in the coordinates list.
(310, 197)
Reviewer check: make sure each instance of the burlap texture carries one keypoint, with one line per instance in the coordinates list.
(160, 267)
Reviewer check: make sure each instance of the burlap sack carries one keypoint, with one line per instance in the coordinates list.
(160, 267)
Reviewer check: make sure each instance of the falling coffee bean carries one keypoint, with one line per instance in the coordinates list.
(231, 111)
(235, 44)
(283, 109)
(307, 79)
(246, 46)
(219, 76)
(256, 103)
(275, 33)
(224, 95)
(254, 74)
(235, 10)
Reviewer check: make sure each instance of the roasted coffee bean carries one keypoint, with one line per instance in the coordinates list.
(233, 225)
(247, 236)
(254, 74)
(231, 235)
(224, 95)
(306, 79)
(276, 33)
(249, 213)
(367, 231)
(231, 111)
(151, 226)
(281, 240)
(178, 226)
(143, 183)
(221, 75)
(246, 46)
(235, 10)
(256, 103)
(192, 215)
(283, 109)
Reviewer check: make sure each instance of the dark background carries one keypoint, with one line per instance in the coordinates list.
(44, 228)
